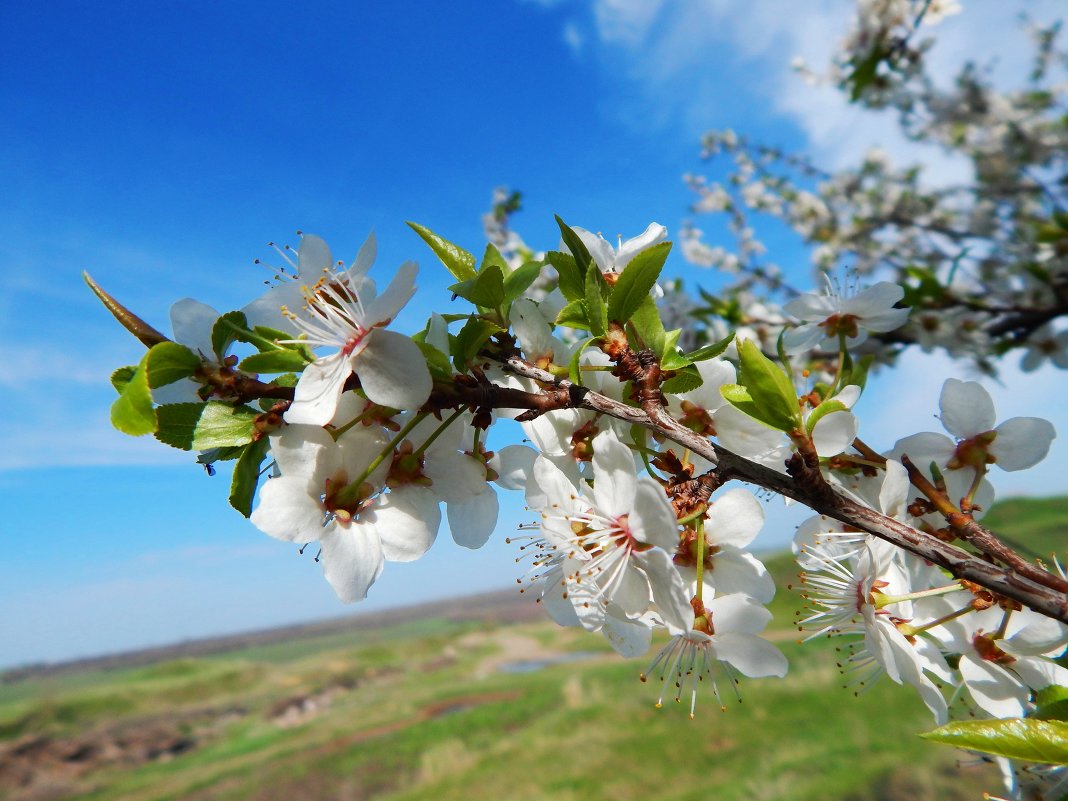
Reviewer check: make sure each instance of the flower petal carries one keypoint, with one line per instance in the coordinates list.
(614, 481)
(749, 654)
(319, 389)
(967, 408)
(393, 372)
(406, 521)
(734, 518)
(653, 520)
(473, 519)
(352, 560)
(1022, 442)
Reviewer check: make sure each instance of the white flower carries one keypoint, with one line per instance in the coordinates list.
(1046, 343)
(827, 316)
(615, 540)
(613, 260)
(313, 261)
(723, 639)
(192, 323)
(325, 494)
(968, 414)
(343, 312)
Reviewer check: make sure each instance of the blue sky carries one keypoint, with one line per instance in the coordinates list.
(162, 146)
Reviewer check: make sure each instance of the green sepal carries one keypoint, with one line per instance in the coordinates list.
(456, 260)
(685, 380)
(596, 310)
(169, 362)
(1044, 741)
(770, 389)
(247, 476)
(711, 351)
(470, 339)
(821, 411)
(485, 290)
(573, 315)
(636, 282)
(572, 282)
(274, 361)
(225, 332)
(519, 280)
(574, 371)
(202, 426)
(132, 412)
(121, 377)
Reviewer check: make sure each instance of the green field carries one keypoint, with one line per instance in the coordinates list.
(448, 709)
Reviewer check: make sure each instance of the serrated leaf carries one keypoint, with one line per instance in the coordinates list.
(456, 260)
(573, 315)
(485, 290)
(247, 476)
(636, 282)
(574, 243)
(519, 280)
(685, 380)
(711, 351)
(437, 361)
(671, 359)
(572, 282)
(493, 257)
(225, 332)
(770, 389)
(594, 302)
(274, 361)
(470, 339)
(121, 377)
(647, 324)
(132, 412)
(824, 409)
(202, 426)
(1033, 740)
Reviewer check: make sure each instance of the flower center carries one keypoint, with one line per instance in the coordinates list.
(841, 324)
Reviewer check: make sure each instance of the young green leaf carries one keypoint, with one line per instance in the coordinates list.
(685, 380)
(493, 257)
(572, 282)
(274, 361)
(574, 243)
(647, 324)
(573, 315)
(574, 371)
(485, 290)
(169, 362)
(711, 351)
(201, 426)
(670, 358)
(769, 387)
(457, 260)
(519, 280)
(121, 377)
(1033, 740)
(226, 332)
(470, 339)
(825, 408)
(636, 282)
(247, 476)
(132, 412)
(594, 302)
(437, 361)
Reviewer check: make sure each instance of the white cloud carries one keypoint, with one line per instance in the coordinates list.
(573, 37)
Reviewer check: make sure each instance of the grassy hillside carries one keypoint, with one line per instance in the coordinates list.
(439, 707)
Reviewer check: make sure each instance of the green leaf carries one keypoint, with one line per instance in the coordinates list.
(132, 413)
(274, 361)
(437, 361)
(671, 359)
(225, 332)
(519, 280)
(470, 339)
(574, 243)
(769, 387)
(202, 426)
(169, 362)
(711, 351)
(493, 258)
(685, 380)
(456, 260)
(121, 377)
(825, 408)
(485, 290)
(646, 322)
(574, 371)
(1052, 703)
(859, 374)
(573, 315)
(1033, 740)
(572, 282)
(594, 301)
(636, 282)
(247, 476)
